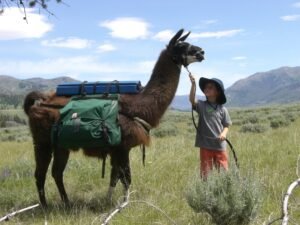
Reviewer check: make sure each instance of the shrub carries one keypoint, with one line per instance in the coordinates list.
(253, 118)
(164, 130)
(290, 116)
(253, 128)
(279, 122)
(226, 196)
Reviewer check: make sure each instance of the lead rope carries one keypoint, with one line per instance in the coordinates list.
(228, 142)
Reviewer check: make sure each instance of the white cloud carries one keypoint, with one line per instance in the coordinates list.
(12, 25)
(106, 48)
(239, 58)
(127, 28)
(208, 22)
(71, 42)
(291, 17)
(164, 35)
(217, 34)
(296, 5)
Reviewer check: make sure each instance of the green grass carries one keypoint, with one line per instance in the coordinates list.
(170, 164)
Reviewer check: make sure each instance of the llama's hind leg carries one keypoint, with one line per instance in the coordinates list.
(60, 160)
(42, 158)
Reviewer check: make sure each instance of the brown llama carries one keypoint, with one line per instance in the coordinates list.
(136, 112)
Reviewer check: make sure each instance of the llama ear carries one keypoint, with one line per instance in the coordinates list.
(184, 37)
(175, 38)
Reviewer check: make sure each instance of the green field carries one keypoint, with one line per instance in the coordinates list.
(267, 141)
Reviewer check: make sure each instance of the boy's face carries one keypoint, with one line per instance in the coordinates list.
(211, 90)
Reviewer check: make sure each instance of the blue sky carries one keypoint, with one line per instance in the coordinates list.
(109, 40)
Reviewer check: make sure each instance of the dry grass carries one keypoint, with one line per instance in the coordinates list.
(170, 163)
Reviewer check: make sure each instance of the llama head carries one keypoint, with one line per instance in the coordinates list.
(182, 52)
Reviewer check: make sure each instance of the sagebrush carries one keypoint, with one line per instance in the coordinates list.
(228, 197)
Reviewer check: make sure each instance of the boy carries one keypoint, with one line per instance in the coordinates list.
(214, 121)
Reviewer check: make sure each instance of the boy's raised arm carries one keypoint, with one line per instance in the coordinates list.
(193, 91)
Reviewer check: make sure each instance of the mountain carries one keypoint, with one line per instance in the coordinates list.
(13, 86)
(13, 90)
(276, 86)
(182, 102)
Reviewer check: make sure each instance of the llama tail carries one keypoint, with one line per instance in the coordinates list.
(30, 100)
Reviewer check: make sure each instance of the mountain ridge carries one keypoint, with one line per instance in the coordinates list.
(277, 86)
(270, 87)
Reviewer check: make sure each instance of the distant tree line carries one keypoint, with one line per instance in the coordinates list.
(11, 120)
(11, 101)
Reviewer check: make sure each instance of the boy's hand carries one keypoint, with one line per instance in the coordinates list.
(192, 78)
(222, 137)
(223, 134)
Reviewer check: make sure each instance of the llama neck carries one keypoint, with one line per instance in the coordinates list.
(153, 101)
(161, 88)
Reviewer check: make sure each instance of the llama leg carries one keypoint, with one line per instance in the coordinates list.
(125, 174)
(60, 160)
(120, 170)
(42, 159)
(114, 177)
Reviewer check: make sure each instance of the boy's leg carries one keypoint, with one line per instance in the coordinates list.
(221, 159)
(206, 162)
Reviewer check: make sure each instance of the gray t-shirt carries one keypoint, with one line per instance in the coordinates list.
(212, 120)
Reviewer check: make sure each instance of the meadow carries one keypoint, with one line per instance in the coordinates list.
(266, 140)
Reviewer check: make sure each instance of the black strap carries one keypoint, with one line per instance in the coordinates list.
(95, 87)
(82, 88)
(103, 165)
(109, 85)
(105, 131)
(143, 148)
(117, 85)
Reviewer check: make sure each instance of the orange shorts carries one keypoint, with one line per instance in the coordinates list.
(210, 158)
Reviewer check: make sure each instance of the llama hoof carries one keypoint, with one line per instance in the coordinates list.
(44, 205)
(109, 195)
(126, 195)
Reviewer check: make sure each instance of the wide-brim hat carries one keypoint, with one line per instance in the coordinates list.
(219, 84)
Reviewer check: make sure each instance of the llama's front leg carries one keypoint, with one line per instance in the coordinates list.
(125, 176)
(60, 160)
(42, 158)
(120, 170)
(114, 178)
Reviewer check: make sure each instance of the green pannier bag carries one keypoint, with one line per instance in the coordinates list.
(88, 121)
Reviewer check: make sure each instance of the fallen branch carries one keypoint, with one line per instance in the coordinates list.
(285, 216)
(8, 216)
(119, 208)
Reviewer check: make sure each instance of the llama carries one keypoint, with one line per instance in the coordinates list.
(137, 114)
